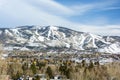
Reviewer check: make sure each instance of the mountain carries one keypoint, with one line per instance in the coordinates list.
(56, 37)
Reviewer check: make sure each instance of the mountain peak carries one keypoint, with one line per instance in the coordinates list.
(53, 27)
(40, 37)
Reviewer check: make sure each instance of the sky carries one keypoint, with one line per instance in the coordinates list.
(100, 17)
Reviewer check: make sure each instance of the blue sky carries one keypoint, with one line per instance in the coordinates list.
(94, 16)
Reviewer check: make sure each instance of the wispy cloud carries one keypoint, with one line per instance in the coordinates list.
(50, 6)
(81, 9)
(102, 30)
(111, 8)
(49, 12)
(29, 14)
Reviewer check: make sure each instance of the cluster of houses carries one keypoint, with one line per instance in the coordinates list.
(42, 77)
(76, 58)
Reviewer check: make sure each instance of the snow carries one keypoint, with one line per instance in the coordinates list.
(0, 32)
(37, 27)
(113, 48)
(8, 33)
(53, 28)
(95, 36)
(67, 45)
(4, 55)
(105, 60)
(15, 31)
(36, 32)
(20, 39)
(82, 41)
(33, 44)
(24, 49)
(33, 38)
(52, 31)
(28, 31)
(52, 36)
(41, 38)
(8, 48)
(93, 40)
(98, 38)
(101, 60)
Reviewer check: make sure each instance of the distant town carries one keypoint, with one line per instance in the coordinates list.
(35, 65)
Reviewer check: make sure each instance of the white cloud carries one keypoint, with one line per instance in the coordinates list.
(111, 8)
(81, 9)
(50, 6)
(27, 14)
(102, 30)
(44, 12)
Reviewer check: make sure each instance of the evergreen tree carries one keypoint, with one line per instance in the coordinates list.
(49, 72)
(33, 68)
(65, 70)
(91, 65)
(83, 63)
(97, 63)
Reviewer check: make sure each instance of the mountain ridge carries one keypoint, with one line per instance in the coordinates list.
(40, 37)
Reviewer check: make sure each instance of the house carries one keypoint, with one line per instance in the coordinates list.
(41, 76)
(57, 77)
(29, 78)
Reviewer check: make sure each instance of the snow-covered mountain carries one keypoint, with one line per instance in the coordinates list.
(43, 37)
